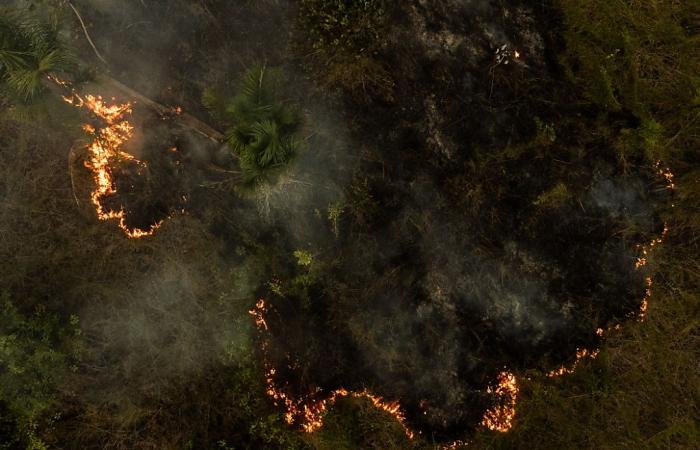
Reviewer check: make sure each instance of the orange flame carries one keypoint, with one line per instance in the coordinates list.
(666, 173)
(307, 411)
(454, 445)
(642, 260)
(500, 417)
(581, 353)
(105, 147)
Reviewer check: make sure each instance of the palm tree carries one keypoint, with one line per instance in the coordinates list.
(29, 51)
(261, 129)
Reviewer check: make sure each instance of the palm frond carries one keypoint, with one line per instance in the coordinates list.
(29, 50)
(11, 59)
(261, 127)
(25, 83)
(215, 103)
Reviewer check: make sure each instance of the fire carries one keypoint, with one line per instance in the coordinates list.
(106, 147)
(308, 411)
(642, 260)
(581, 354)
(667, 174)
(500, 417)
(454, 445)
(646, 250)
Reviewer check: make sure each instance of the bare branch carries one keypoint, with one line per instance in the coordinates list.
(87, 35)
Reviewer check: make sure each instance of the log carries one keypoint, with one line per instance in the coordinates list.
(186, 119)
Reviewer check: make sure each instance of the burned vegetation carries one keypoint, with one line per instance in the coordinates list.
(341, 224)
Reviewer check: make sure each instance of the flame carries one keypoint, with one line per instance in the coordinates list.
(642, 260)
(667, 174)
(454, 445)
(106, 146)
(309, 411)
(646, 250)
(500, 417)
(581, 353)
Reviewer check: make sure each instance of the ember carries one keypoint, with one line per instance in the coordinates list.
(500, 417)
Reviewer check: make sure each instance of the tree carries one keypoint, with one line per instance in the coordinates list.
(261, 129)
(29, 52)
(36, 354)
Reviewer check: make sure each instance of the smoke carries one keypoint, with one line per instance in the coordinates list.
(432, 301)
(175, 321)
(316, 181)
(622, 198)
(170, 51)
(422, 300)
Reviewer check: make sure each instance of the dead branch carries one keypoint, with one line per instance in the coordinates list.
(185, 118)
(87, 35)
(72, 157)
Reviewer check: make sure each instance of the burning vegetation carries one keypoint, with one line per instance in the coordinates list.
(448, 212)
(307, 413)
(116, 172)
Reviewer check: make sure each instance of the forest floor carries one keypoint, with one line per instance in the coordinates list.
(485, 188)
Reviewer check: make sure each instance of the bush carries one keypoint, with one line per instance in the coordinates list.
(341, 40)
(36, 354)
(261, 129)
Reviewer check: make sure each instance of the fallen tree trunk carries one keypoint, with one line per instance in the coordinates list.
(182, 117)
(186, 119)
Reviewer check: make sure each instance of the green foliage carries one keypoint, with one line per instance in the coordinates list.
(36, 354)
(303, 257)
(357, 424)
(546, 134)
(261, 129)
(344, 26)
(602, 92)
(341, 39)
(335, 211)
(361, 202)
(640, 57)
(641, 392)
(555, 197)
(29, 52)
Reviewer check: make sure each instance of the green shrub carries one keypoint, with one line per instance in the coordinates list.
(36, 354)
(261, 129)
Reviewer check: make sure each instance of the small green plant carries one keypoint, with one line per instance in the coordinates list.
(303, 257)
(335, 210)
(555, 197)
(546, 134)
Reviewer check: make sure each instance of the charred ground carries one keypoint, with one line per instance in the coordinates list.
(450, 215)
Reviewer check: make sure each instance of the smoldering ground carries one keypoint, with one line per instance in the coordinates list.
(411, 292)
(430, 303)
